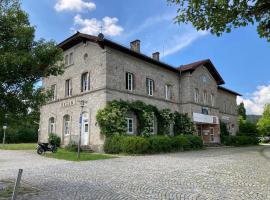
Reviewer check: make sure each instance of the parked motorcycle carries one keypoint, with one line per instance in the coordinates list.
(43, 147)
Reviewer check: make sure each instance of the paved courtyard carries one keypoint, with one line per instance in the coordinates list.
(218, 173)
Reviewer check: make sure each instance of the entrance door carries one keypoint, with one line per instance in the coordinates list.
(85, 129)
(212, 138)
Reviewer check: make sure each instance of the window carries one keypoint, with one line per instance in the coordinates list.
(225, 107)
(212, 138)
(85, 82)
(68, 88)
(70, 58)
(51, 125)
(130, 81)
(66, 60)
(168, 92)
(204, 110)
(53, 92)
(196, 95)
(150, 86)
(204, 97)
(212, 98)
(66, 121)
(130, 125)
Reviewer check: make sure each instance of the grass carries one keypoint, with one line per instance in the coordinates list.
(21, 146)
(63, 154)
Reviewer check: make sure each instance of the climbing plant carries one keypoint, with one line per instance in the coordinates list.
(183, 124)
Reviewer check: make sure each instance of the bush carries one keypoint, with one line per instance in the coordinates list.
(135, 145)
(113, 144)
(54, 139)
(196, 141)
(240, 140)
(72, 146)
(181, 143)
(20, 135)
(160, 144)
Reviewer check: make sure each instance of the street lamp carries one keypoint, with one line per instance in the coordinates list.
(82, 104)
(4, 128)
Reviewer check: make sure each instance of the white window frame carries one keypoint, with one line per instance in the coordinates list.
(66, 125)
(68, 88)
(128, 125)
(150, 86)
(53, 90)
(196, 95)
(168, 92)
(130, 80)
(85, 84)
(51, 125)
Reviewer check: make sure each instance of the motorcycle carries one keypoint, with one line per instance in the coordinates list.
(43, 147)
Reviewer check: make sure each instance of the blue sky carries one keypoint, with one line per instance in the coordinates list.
(241, 57)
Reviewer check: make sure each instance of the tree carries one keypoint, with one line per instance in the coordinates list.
(221, 16)
(23, 61)
(263, 124)
(246, 127)
(241, 110)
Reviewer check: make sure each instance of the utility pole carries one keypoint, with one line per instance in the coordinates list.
(82, 104)
(4, 128)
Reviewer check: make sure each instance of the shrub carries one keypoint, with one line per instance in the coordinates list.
(54, 139)
(72, 146)
(20, 135)
(196, 141)
(240, 140)
(135, 145)
(113, 144)
(181, 143)
(160, 144)
(183, 124)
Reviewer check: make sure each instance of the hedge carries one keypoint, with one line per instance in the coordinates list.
(23, 135)
(152, 144)
(240, 140)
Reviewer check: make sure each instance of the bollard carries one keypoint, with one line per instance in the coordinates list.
(17, 184)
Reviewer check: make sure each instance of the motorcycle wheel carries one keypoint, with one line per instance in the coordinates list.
(40, 151)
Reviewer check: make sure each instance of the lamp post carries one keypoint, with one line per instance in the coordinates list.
(4, 128)
(82, 104)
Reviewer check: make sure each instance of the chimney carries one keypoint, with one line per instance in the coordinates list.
(155, 56)
(135, 45)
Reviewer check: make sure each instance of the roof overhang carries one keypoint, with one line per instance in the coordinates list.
(228, 90)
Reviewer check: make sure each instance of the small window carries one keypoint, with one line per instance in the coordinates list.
(68, 88)
(130, 125)
(66, 60)
(85, 82)
(129, 81)
(204, 97)
(53, 92)
(196, 95)
(66, 121)
(52, 125)
(168, 92)
(71, 59)
(212, 98)
(150, 86)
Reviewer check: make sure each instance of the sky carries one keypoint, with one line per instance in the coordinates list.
(241, 57)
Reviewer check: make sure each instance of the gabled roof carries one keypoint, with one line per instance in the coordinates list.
(208, 64)
(80, 37)
(229, 91)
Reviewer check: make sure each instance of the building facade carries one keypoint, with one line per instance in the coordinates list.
(98, 71)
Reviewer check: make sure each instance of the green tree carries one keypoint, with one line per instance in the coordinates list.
(221, 16)
(23, 61)
(246, 127)
(241, 110)
(263, 124)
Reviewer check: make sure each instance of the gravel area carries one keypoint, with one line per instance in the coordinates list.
(215, 173)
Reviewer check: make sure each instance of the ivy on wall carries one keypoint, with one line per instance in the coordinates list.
(112, 119)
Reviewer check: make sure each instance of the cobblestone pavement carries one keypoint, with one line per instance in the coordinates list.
(217, 173)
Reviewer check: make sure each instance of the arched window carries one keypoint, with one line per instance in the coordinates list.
(66, 125)
(52, 125)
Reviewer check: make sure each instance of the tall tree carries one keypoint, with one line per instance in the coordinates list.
(263, 124)
(242, 111)
(220, 16)
(23, 61)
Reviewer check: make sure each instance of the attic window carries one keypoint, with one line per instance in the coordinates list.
(85, 56)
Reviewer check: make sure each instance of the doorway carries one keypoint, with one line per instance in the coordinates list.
(85, 129)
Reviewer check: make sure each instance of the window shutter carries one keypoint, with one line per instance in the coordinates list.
(126, 80)
(133, 81)
(153, 86)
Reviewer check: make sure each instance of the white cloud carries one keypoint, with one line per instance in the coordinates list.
(92, 26)
(73, 5)
(255, 102)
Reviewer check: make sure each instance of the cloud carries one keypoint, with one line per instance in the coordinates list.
(74, 5)
(255, 102)
(93, 26)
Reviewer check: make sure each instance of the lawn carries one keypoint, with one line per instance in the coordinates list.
(21, 146)
(72, 156)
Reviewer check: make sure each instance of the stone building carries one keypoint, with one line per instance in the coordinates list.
(98, 70)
